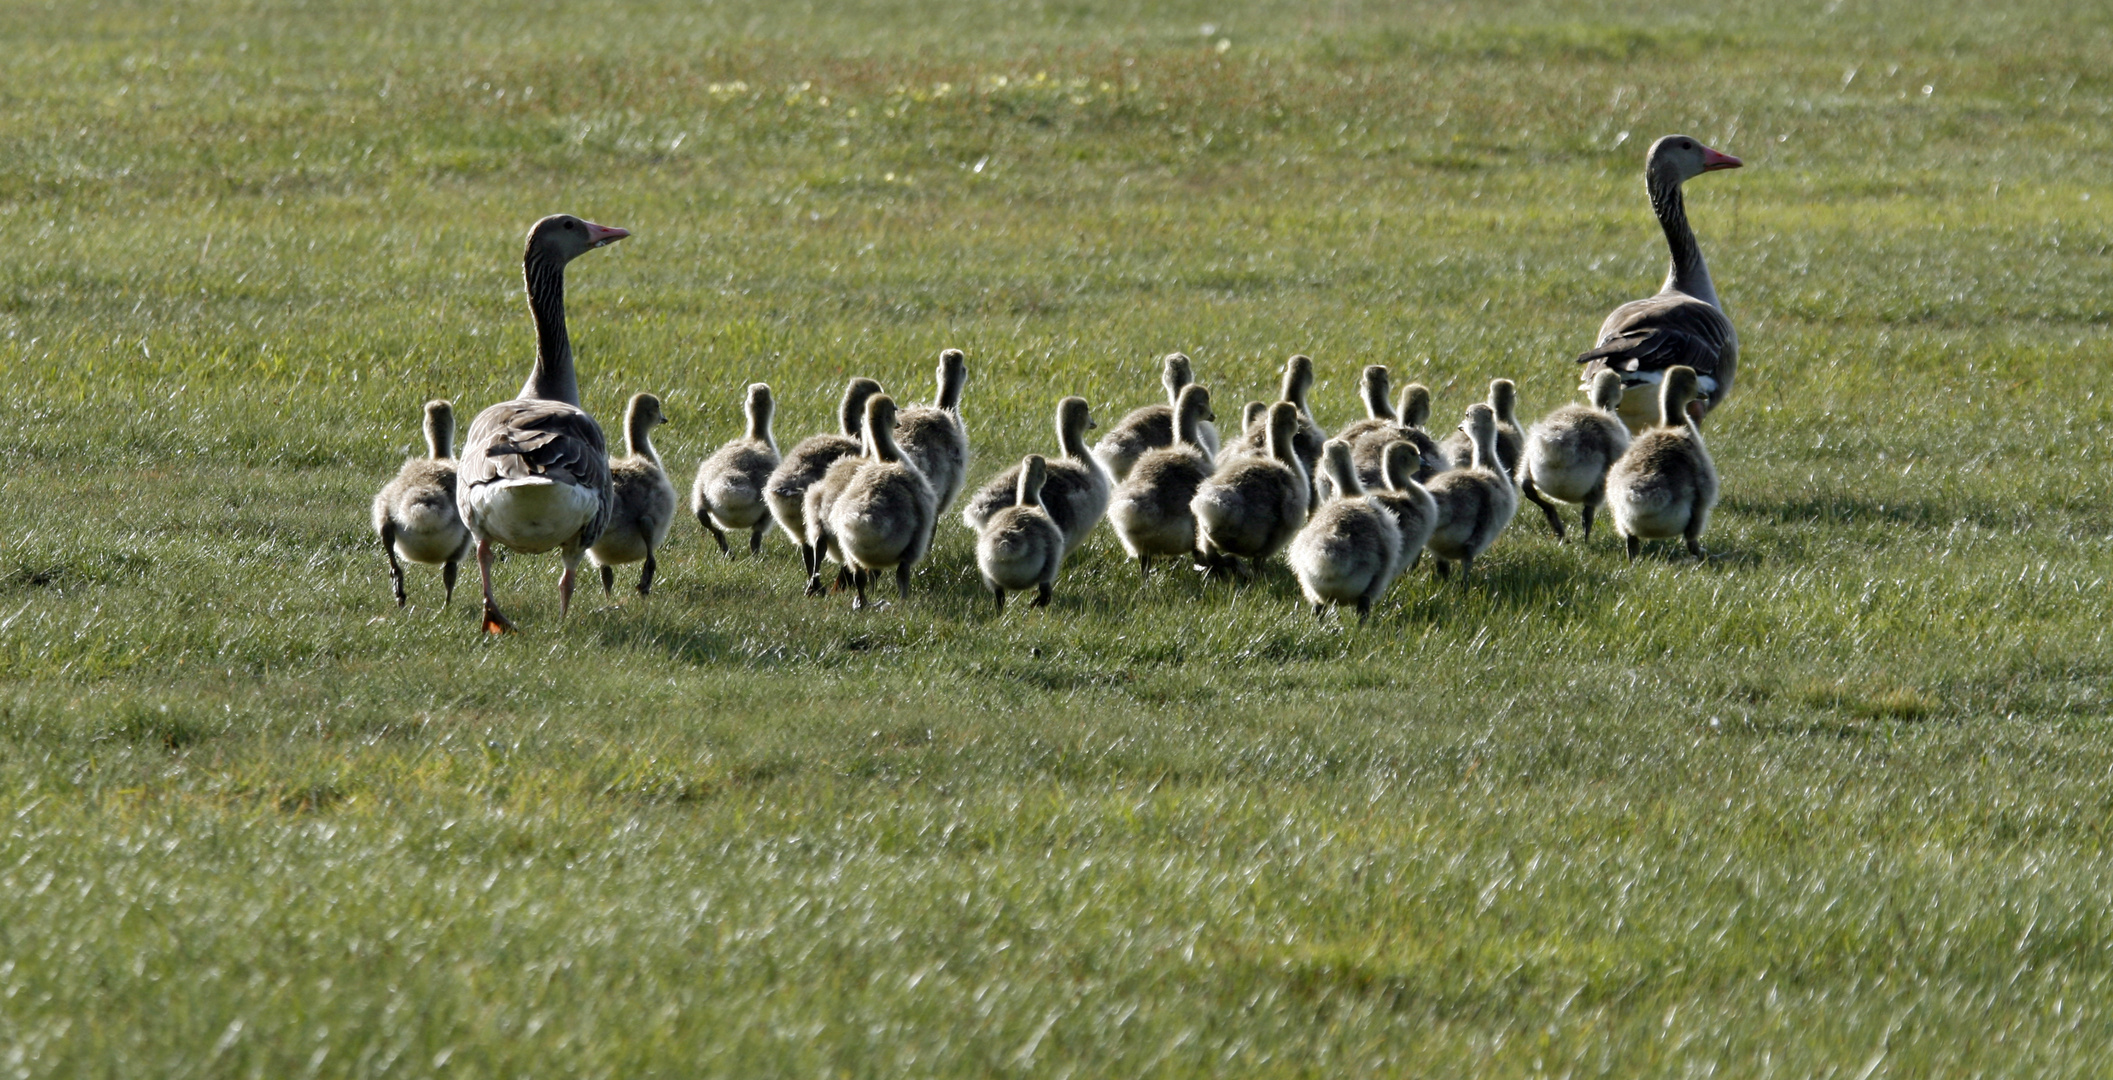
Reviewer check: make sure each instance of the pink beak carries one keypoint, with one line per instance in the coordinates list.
(1712, 160)
(600, 235)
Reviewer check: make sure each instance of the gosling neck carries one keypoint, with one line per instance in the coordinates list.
(638, 435)
(440, 434)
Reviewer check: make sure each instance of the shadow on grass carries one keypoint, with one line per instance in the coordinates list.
(1838, 508)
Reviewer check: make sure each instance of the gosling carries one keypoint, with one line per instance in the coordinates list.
(728, 495)
(1569, 452)
(883, 518)
(1415, 512)
(1020, 545)
(787, 488)
(933, 436)
(1251, 507)
(643, 506)
(1306, 441)
(1150, 509)
(415, 514)
(1368, 451)
(1076, 492)
(1474, 503)
(1152, 426)
(1666, 485)
(1351, 550)
(1504, 403)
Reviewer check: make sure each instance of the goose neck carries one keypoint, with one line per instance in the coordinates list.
(553, 378)
(1687, 273)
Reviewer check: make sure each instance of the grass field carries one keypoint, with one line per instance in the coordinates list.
(1834, 804)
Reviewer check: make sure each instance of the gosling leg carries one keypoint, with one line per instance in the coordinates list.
(447, 577)
(755, 540)
(1533, 494)
(396, 569)
(1635, 546)
(608, 581)
(1042, 595)
(997, 593)
(704, 518)
(645, 576)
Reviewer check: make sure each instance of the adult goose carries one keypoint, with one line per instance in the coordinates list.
(534, 472)
(1306, 440)
(1076, 492)
(1504, 404)
(1150, 508)
(729, 493)
(1569, 452)
(1351, 550)
(786, 490)
(1151, 427)
(1021, 547)
(933, 436)
(1251, 507)
(415, 515)
(1684, 324)
(1666, 485)
(883, 517)
(1474, 503)
(644, 499)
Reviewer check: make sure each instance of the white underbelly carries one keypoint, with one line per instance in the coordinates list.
(533, 514)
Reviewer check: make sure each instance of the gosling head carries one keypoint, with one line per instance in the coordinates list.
(1675, 396)
(1481, 428)
(1251, 412)
(1415, 407)
(1298, 379)
(440, 430)
(1073, 416)
(851, 415)
(1034, 472)
(1194, 404)
(1677, 158)
(759, 407)
(880, 422)
(1606, 390)
(1504, 400)
(644, 411)
(1175, 374)
(1283, 427)
(562, 238)
(1401, 462)
(1372, 386)
(953, 376)
(1335, 459)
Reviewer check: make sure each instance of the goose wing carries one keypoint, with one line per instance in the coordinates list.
(1646, 337)
(516, 440)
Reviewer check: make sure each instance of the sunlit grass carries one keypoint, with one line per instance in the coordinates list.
(1833, 802)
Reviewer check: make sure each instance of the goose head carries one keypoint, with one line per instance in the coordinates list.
(1415, 407)
(440, 430)
(851, 414)
(1676, 394)
(1298, 381)
(1678, 159)
(1504, 401)
(1372, 387)
(1606, 390)
(953, 375)
(1174, 375)
(563, 238)
(759, 407)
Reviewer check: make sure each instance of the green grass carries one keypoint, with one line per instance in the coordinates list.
(1833, 804)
